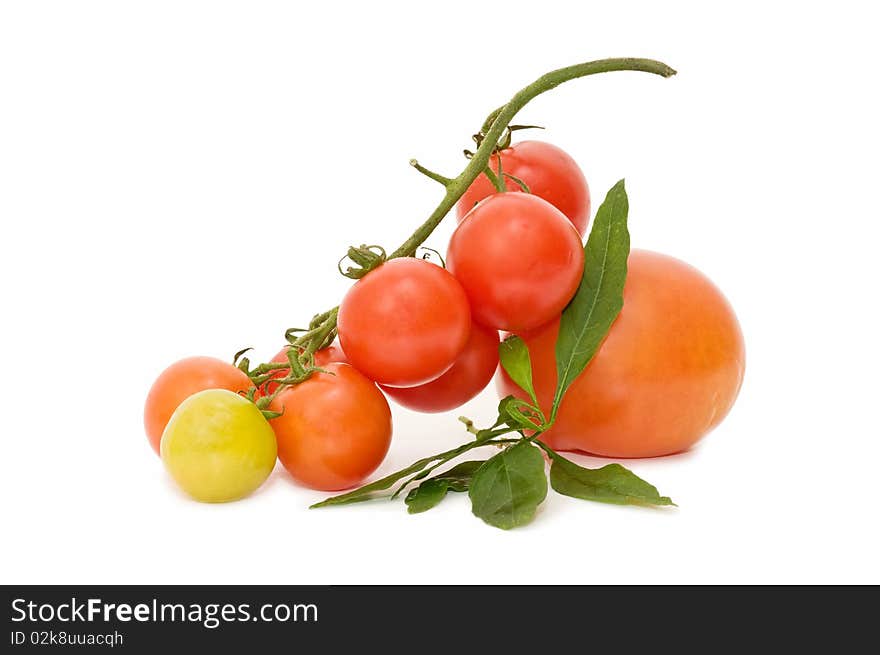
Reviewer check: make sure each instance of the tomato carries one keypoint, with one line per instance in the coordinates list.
(668, 372)
(468, 376)
(181, 380)
(548, 171)
(335, 429)
(332, 353)
(519, 260)
(404, 323)
(218, 447)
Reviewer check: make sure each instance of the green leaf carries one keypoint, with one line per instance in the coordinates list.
(370, 491)
(431, 492)
(599, 298)
(610, 484)
(515, 360)
(507, 489)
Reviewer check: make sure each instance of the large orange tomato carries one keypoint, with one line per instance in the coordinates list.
(668, 372)
(181, 380)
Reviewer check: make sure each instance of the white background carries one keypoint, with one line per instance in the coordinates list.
(180, 178)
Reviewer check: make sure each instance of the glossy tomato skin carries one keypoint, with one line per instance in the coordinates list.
(548, 171)
(668, 372)
(518, 259)
(404, 323)
(471, 372)
(332, 353)
(181, 380)
(335, 429)
(218, 447)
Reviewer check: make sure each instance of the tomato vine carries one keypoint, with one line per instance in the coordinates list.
(506, 489)
(495, 132)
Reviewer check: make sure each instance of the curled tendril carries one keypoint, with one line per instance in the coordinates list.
(290, 334)
(237, 356)
(431, 250)
(365, 257)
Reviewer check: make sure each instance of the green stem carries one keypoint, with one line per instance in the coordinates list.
(319, 334)
(502, 116)
(429, 173)
(494, 179)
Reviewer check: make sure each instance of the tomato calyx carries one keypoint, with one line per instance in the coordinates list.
(506, 139)
(300, 364)
(366, 259)
(499, 178)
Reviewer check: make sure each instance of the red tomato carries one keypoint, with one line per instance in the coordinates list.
(181, 380)
(548, 171)
(404, 323)
(332, 353)
(518, 259)
(468, 376)
(335, 429)
(668, 372)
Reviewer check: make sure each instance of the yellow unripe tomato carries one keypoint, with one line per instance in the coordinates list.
(218, 446)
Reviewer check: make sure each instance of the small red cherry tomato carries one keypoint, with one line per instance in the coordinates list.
(471, 372)
(518, 259)
(330, 354)
(404, 323)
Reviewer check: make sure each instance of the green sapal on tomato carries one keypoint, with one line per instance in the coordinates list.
(549, 173)
(218, 446)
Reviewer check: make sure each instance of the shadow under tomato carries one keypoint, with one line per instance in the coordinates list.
(591, 461)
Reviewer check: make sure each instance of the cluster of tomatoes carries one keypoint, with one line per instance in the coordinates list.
(427, 337)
